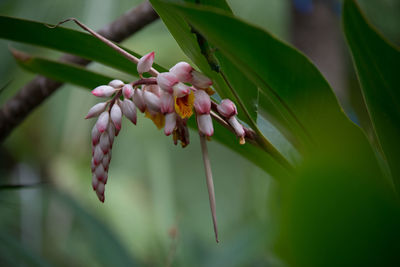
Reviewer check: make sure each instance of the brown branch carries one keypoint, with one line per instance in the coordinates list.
(15, 110)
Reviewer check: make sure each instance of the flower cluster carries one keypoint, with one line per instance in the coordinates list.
(168, 100)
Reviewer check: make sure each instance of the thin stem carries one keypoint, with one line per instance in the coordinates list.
(144, 81)
(130, 57)
(210, 183)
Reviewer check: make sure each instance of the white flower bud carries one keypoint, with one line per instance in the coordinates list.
(106, 161)
(202, 102)
(204, 123)
(236, 126)
(99, 171)
(95, 135)
(127, 90)
(104, 143)
(182, 71)
(199, 80)
(96, 110)
(170, 123)
(166, 103)
(102, 121)
(227, 108)
(138, 100)
(95, 182)
(116, 116)
(166, 80)
(145, 63)
(116, 83)
(129, 110)
(100, 191)
(152, 101)
(154, 88)
(98, 155)
(103, 91)
(180, 89)
(111, 133)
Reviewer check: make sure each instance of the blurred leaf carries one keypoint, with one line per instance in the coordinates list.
(13, 253)
(65, 40)
(378, 64)
(59, 71)
(105, 245)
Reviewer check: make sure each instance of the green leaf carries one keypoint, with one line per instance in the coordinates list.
(59, 71)
(65, 40)
(377, 63)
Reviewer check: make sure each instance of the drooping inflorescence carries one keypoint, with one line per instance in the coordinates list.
(169, 100)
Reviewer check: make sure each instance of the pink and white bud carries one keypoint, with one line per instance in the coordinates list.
(98, 155)
(166, 103)
(95, 182)
(96, 110)
(129, 110)
(239, 130)
(100, 191)
(202, 102)
(95, 135)
(127, 91)
(199, 80)
(92, 165)
(145, 63)
(152, 101)
(116, 83)
(227, 108)
(102, 121)
(204, 123)
(105, 143)
(138, 100)
(99, 172)
(106, 161)
(180, 89)
(170, 123)
(103, 91)
(182, 71)
(166, 80)
(116, 116)
(154, 88)
(111, 133)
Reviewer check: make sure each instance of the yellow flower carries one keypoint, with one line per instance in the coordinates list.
(184, 105)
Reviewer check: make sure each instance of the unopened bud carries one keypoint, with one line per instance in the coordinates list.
(152, 101)
(227, 108)
(138, 100)
(145, 63)
(199, 80)
(127, 91)
(116, 83)
(166, 80)
(154, 88)
(103, 91)
(102, 121)
(99, 172)
(105, 143)
(129, 110)
(236, 126)
(170, 123)
(180, 89)
(95, 135)
(182, 71)
(95, 182)
(202, 102)
(98, 155)
(96, 110)
(100, 191)
(116, 116)
(111, 133)
(204, 123)
(166, 103)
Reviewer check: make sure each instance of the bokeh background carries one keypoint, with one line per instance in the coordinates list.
(156, 211)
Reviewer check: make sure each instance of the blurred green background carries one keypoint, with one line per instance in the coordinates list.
(155, 188)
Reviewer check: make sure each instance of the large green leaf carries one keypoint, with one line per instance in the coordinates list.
(62, 72)
(65, 40)
(377, 63)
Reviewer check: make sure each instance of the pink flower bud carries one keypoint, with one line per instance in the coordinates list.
(102, 121)
(199, 80)
(166, 103)
(116, 83)
(138, 100)
(98, 155)
(202, 102)
(106, 161)
(129, 110)
(99, 171)
(127, 90)
(92, 165)
(154, 88)
(116, 116)
(180, 89)
(166, 80)
(236, 126)
(100, 191)
(182, 71)
(170, 123)
(152, 101)
(95, 135)
(227, 108)
(145, 63)
(96, 110)
(204, 123)
(104, 143)
(103, 91)
(111, 133)
(95, 182)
